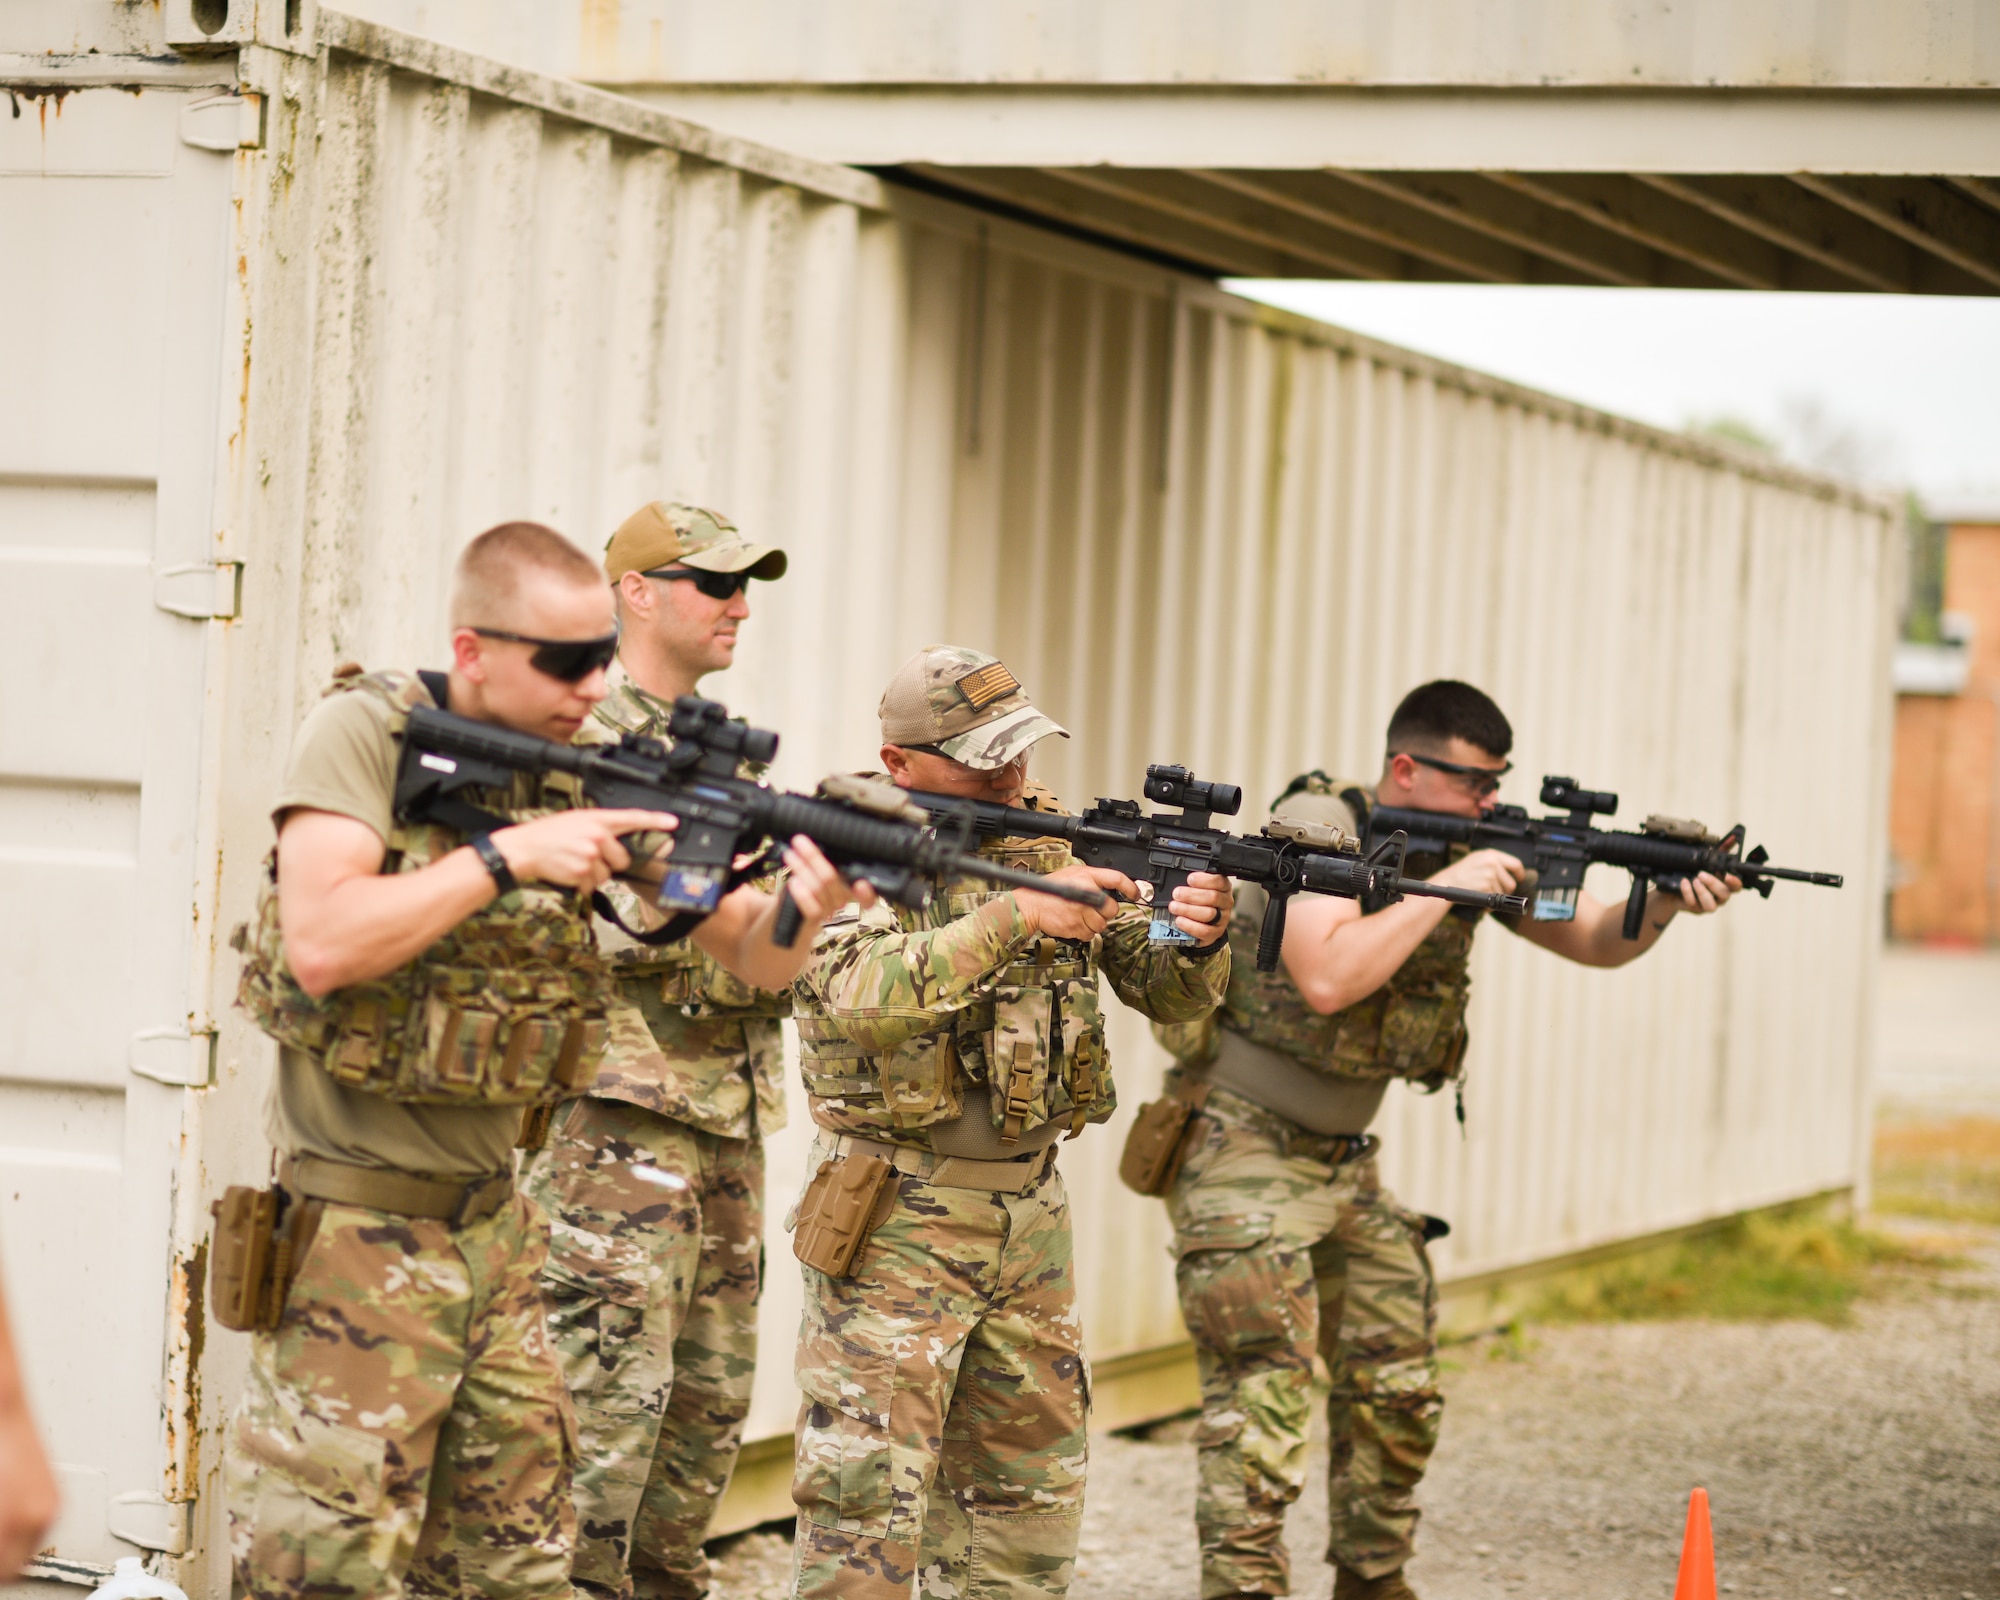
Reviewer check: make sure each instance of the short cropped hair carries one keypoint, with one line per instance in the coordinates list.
(1437, 712)
(486, 583)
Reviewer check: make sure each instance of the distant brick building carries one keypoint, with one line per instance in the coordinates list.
(1944, 812)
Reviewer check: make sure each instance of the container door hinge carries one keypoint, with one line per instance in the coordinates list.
(149, 1521)
(224, 122)
(173, 1055)
(202, 590)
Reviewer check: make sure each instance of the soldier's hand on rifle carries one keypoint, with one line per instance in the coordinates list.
(1064, 919)
(579, 849)
(1203, 905)
(1488, 871)
(1706, 892)
(816, 886)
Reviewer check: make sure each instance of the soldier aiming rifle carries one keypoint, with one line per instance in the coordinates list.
(1287, 1244)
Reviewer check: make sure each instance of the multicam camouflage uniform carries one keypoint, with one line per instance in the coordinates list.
(654, 1188)
(1288, 1244)
(404, 1430)
(945, 1380)
(405, 1427)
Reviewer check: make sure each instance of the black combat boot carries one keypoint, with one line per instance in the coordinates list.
(1350, 1585)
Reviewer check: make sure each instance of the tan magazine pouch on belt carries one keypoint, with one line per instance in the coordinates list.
(838, 1211)
(1158, 1140)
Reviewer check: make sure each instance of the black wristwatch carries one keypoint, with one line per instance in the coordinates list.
(489, 852)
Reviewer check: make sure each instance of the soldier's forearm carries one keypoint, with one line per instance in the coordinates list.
(877, 976)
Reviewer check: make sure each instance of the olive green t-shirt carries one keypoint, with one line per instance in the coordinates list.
(344, 761)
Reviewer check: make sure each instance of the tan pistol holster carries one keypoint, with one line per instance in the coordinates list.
(261, 1235)
(1158, 1140)
(840, 1208)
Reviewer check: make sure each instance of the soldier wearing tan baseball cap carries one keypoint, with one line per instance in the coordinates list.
(963, 705)
(668, 534)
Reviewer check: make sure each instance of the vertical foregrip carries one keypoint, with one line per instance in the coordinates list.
(1271, 935)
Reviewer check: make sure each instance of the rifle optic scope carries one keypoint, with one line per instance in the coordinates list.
(708, 724)
(1176, 786)
(1565, 793)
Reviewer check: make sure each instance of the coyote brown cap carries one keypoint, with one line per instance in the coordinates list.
(966, 704)
(665, 532)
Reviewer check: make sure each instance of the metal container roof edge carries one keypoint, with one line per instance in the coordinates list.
(577, 102)
(964, 219)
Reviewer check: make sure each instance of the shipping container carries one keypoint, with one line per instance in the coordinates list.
(295, 318)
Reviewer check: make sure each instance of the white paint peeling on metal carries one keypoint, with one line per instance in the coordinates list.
(1199, 529)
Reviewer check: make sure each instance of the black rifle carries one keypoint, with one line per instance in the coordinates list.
(1664, 852)
(871, 834)
(1284, 859)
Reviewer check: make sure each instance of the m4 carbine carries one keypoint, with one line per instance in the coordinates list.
(1664, 852)
(1162, 850)
(872, 834)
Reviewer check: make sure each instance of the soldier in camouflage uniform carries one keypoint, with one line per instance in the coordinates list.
(1287, 1243)
(404, 1426)
(944, 1377)
(654, 1180)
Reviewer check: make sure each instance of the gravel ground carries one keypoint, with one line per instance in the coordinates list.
(1859, 1461)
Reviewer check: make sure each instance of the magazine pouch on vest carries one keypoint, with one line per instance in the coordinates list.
(839, 1210)
(1044, 1051)
(507, 1008)
(1158, 1141)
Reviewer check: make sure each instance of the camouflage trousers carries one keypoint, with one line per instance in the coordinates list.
(655, 1265)
(946, 1390)
(1282, 1254)
(404, 1430)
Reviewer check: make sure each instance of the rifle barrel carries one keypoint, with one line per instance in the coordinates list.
(1826, 880)
(1509, 904)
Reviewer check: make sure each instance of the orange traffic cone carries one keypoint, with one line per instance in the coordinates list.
(1697, 1579)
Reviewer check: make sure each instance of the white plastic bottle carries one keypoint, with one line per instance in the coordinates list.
(129, 1580)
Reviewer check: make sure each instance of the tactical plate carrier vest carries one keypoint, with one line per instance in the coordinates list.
(720, 1025)
(1034, 1035)
(1413, 1027)
(506, 1009)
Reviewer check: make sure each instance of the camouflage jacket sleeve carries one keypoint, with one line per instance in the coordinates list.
(881, 983)
(1157, 980)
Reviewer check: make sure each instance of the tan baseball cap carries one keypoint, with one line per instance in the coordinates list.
(667, 532)
(966, 704)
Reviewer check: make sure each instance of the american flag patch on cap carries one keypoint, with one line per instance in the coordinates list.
(982, 686)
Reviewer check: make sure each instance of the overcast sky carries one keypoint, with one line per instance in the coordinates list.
(1898, 390)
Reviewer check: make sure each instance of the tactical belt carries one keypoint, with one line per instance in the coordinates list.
(403, 1193)
(1273, 1080)
(1014, 1176)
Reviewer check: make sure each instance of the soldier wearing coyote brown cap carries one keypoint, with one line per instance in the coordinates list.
(403, 1426)
(653, 1179)
(944, 1052)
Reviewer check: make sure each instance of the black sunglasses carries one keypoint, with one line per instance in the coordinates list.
(1486, 779)
(570, 660)
(716, 585)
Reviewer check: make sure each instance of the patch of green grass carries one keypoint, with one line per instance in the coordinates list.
(1760, 1268)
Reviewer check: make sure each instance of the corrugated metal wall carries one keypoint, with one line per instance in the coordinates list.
(1198, 529)
(1211, 533)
